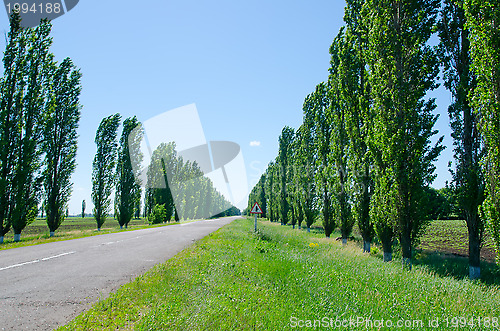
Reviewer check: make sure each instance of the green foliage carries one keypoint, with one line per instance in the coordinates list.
(284, 159)
(158, 215)
(438, 206)
(171, 179)
(128, 190)
(319, 108)
(24, 87)
(62, 114)
(403, 70)
(341, 94)
(468, 182)
(483, 21)
(103, 167)
(355, 93)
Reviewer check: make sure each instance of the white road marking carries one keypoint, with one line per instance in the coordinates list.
(35, 261)
(56, 256)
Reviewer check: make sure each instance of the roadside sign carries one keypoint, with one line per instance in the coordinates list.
(256, 209)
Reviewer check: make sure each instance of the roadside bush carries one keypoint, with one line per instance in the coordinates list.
(158, 215)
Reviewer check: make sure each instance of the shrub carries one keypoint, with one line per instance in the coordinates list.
(158, 215)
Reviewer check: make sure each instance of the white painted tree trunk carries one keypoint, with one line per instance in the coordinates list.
(474, 272)
(406, 263)
(366, 246)
(52, 233)
(1, 239)
(387, 257)
(344, 241)
(17, 237)
(308, 229)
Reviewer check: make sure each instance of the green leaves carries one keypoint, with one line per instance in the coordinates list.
(128, 190)
(483, 21)
(103, 174)
(62, 114)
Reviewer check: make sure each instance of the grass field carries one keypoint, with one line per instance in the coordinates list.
(281, 278)
(72, 228)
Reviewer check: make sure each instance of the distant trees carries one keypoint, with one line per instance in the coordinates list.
(367, 132)
(103, 167)
(128, 190)
(180, 187)
(59, 145)
(83, 208)
(483, 21)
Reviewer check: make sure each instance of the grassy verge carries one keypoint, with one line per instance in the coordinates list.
(72, 228)
(278, 279)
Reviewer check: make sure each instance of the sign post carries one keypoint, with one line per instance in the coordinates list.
(255, 210)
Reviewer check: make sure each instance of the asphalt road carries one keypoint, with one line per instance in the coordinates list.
(45, 286)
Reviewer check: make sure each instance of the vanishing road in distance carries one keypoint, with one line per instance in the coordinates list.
(45, 286)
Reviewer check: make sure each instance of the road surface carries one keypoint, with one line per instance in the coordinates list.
(45, 286)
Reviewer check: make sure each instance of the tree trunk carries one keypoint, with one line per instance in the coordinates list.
(366, 246)
(387, 247)
(344, 241)
(308, 229)
(52, 233)
(17, 237)
(1, 239)
(474, 253)
(387, 256)
(405, 240)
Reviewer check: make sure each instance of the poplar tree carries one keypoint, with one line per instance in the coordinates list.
(306, 160)
(27, 63)
(468, 182)
(320, 110)
(284, 158)
(103, 167)
(128, 190)
(356, 93)
(483, 23)
(341, 103)
(404, 68)
(59, 144)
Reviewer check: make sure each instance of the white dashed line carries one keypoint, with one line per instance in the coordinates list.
(35, 261)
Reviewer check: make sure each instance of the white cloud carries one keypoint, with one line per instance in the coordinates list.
(255, 143)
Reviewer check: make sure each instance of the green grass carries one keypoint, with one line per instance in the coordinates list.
(72, 228)
(236, 280)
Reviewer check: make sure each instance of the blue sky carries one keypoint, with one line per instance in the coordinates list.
(247, 65)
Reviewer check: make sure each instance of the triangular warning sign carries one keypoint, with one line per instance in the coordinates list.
(256, 209)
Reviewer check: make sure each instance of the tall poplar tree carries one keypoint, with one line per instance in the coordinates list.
(468, 182)
(59, 144)
(27, 63)
(356, 92)
(403, 70)
(341, 102)
(320, 110)
(128, 190)
(103, 167)
(483, 23)
(284, 160)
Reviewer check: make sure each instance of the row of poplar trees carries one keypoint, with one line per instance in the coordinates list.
(39, 115)
(363, 153)
(195, 194)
